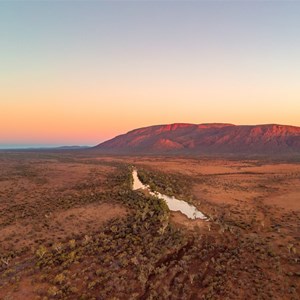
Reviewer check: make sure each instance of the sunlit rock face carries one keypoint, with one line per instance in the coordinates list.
(207, 139)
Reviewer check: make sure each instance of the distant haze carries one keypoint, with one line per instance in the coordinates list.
(25, 146)
(81, 72)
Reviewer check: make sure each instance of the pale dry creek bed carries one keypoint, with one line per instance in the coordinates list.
(174, 204)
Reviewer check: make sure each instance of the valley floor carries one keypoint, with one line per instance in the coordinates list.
(72, 228)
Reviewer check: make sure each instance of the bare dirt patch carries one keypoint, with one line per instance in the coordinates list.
(87, 219)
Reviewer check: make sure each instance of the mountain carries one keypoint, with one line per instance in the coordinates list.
(182, 138)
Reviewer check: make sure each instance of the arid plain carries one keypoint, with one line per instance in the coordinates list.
(72, 228)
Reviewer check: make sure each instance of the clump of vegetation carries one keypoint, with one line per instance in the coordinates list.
(169, 184)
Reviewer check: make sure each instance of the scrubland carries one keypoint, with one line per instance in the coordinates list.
(72, 228)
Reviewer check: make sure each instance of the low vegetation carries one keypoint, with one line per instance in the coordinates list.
(140, 253)
(169, 184)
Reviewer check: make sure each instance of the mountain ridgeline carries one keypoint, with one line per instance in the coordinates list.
(193, 139)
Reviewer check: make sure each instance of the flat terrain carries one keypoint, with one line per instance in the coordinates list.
(72, 228)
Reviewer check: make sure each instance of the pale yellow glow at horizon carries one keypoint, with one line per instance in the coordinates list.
(87, 114)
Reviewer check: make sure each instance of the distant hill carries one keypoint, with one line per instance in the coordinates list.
(181, 138)
(46, 148)
(71, 147)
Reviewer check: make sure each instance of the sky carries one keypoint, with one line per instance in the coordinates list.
(81, 72)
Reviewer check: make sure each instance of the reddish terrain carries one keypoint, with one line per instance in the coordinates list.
(72, 228)
(207, 139)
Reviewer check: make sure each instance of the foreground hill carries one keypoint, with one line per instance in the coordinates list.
(183, 138)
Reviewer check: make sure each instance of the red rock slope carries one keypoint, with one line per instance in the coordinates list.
(206, 139)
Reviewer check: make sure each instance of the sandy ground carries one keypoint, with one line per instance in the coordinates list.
(41, 200)
(53, 198)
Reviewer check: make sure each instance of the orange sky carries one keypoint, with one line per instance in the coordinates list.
(81, 73)
(87, 114)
